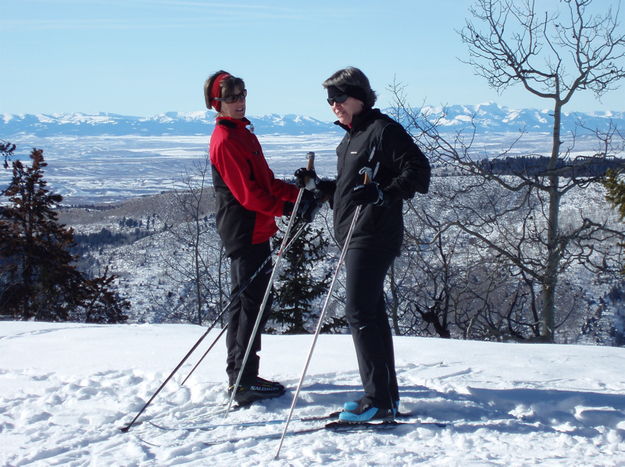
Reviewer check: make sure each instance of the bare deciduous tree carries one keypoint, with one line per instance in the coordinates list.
(197, 264)
(554, 55)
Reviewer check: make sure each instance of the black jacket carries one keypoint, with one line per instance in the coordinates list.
(400, 168)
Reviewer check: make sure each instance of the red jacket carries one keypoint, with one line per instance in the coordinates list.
(249, 197)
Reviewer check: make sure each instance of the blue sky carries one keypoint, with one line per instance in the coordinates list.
(144, 57)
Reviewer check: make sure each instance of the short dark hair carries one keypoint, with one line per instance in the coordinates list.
(228, 86)
(352, 76)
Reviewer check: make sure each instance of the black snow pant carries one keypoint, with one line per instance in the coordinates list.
(366, 314)
(244, 310)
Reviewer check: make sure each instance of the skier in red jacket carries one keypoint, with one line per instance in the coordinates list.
(249, 198)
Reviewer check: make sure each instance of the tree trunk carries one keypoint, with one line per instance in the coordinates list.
(550, 277)
(197, 265)
(222, 293)
(394, 302)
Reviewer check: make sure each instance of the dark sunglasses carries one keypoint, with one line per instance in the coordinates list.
(234, 98)
(338, 99)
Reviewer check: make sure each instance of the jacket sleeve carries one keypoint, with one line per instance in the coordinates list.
(238, 174)
(410, 165)
(283, 190)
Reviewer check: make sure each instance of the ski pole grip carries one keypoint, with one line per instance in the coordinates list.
(366, 180)
(311, 160)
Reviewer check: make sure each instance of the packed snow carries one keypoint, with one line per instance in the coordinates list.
(67, 389)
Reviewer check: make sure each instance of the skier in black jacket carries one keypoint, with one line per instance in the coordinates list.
(379, 146)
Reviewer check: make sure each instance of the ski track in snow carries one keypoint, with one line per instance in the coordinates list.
(67, 389)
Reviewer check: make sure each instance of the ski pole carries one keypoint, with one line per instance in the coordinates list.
(320, 321)
(210, 347)
(202, 337)
(310, 166)
(127, 427)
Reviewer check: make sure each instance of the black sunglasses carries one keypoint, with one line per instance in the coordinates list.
(338, 99)
(234, 98)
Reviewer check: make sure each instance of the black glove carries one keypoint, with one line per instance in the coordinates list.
(367, 194)
(309, 206)
(325, 190)
(307, 179)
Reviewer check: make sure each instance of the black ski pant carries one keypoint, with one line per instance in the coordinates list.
(244, 310)
(366, 314)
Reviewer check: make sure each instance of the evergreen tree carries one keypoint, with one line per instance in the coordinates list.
(38, 280)
(615, 191)
(6, 149)
(103, 305)
(298, 288)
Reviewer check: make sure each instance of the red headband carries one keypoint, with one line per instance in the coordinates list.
(216, 90)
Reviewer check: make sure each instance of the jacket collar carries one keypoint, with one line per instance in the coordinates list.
(233, 122)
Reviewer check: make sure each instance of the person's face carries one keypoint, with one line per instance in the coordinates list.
(235, 109)
(346, 110)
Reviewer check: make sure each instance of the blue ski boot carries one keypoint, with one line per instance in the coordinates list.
(365, 412)
(350, 406)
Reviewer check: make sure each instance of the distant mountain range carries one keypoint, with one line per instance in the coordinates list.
(489, 117)
(170, 123)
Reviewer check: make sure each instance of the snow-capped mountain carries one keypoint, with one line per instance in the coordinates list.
(170, 123)
(488, 117)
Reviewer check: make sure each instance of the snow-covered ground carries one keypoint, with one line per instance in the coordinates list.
(66, 389)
